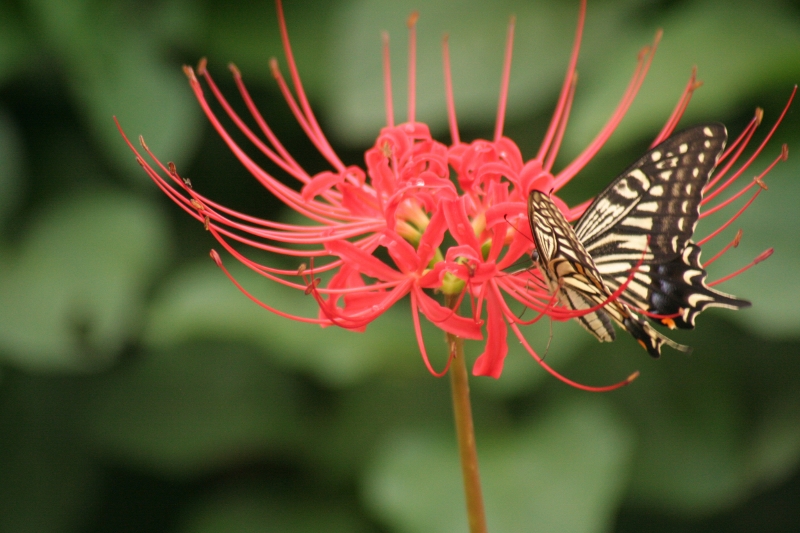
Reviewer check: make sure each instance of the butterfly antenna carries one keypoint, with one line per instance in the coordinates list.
(505, 217)
(549, 340)
(518, 265)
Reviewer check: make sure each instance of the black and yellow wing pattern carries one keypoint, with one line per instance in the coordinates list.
(638, 230)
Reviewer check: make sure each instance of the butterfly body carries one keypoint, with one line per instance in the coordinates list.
(636, 233)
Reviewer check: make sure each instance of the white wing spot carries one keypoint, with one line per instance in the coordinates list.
(695, 172)
(666, 175)
(701, 156)
(648, 207)
(643, 223)
(689, 276)
(637, 243)
(640, 176)
(625, 191)
(708, 132)
(681, 223)
(683, 148)
(707, 144)
(655, 156)
(685, 206)
(623, 267)
(615, 268)
(689, 188)
(675, 243)
(656, 190)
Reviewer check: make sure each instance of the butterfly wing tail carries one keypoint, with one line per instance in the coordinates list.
(680, 292)
(651, 339)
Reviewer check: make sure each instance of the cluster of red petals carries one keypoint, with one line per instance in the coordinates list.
(414, 194)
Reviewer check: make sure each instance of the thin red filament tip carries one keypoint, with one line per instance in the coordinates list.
(643, 65)
(567, 86)
(448, 90)
(758, 117)
(691, 86)
(733, 244)
(562, 127)
(412, 66)
(503, 100)
(763, 256)
(564, 379)
(215, 256)
(387, 82)
(734, 151)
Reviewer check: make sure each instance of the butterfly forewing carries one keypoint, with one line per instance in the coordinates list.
(566, 266)
(649, 214)
(658, 196)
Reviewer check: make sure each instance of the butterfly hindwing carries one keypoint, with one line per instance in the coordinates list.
(657, 197)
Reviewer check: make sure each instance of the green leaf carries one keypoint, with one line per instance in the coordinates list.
(714, 427)
(689, 457)
(775, 452)
(16, 48)
(565, 471)
(246, 33)
(113, 57)
(192, 409)
(254, 509)
(347, 430)
(49, 481)
(72, 294)
(11, 163)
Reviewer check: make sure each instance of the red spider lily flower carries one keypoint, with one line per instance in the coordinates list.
(413, 195)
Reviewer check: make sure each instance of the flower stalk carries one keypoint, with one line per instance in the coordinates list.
(465, 434)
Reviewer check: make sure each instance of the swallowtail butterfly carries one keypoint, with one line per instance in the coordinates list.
(638, 230)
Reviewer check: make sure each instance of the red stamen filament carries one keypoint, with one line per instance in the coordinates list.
(642, 66)
(733, 244)
(387, 82)
(756, 181)
(317, 137)
(448, 90)
(569, 80)
(738, 145)
(680, 107)
(504, 81)
(760, 257)
(412, 66)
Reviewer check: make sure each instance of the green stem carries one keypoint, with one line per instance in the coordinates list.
(465, 433)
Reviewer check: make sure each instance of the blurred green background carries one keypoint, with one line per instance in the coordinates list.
(140, 391)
